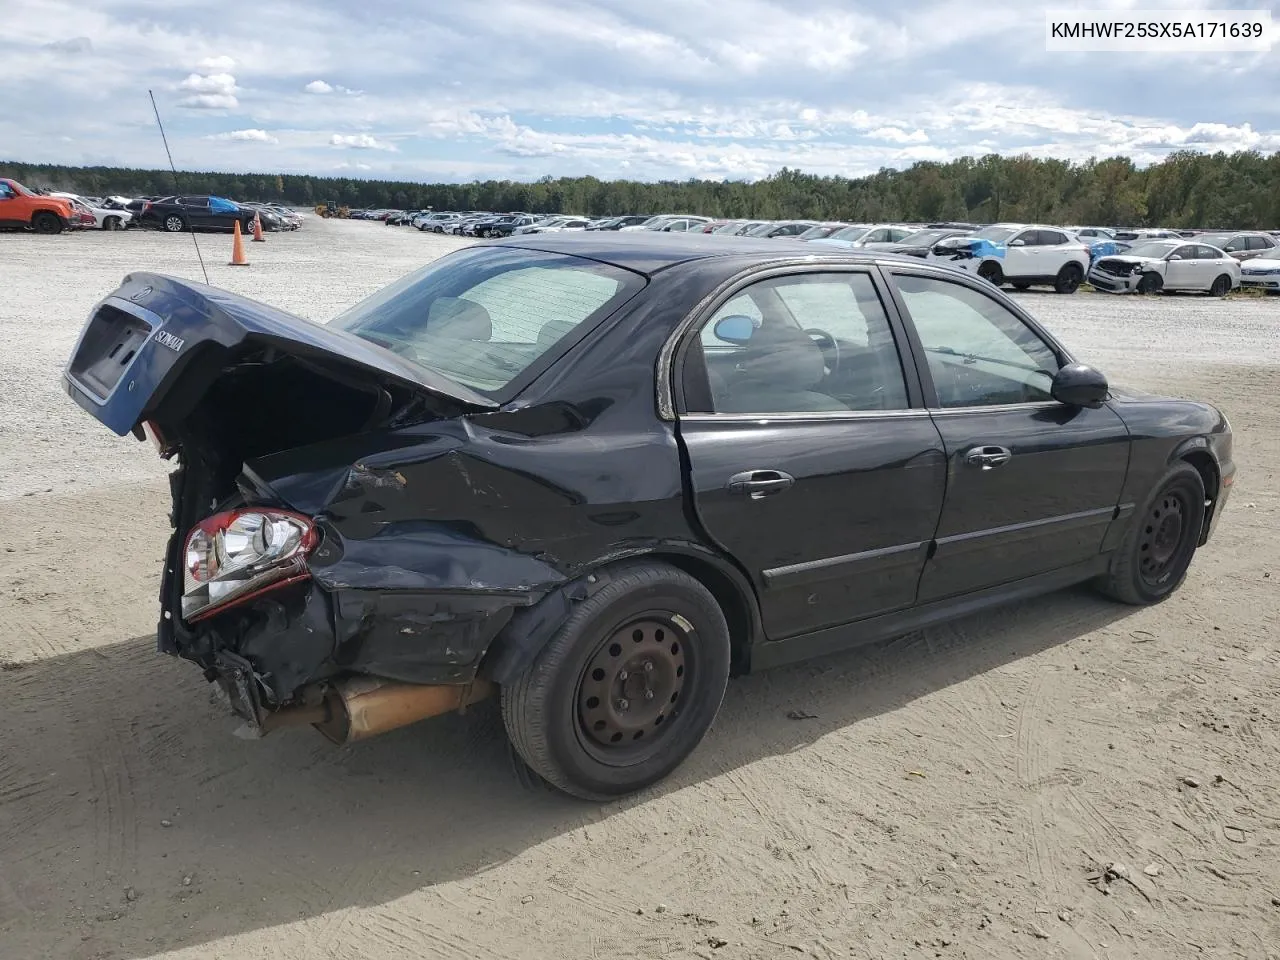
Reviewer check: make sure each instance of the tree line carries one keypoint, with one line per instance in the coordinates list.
(1187, 189)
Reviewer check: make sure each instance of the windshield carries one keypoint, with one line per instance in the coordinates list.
(484, 316)
(1218, 240)
(763, 230)
(820, 231)
(1153, 248)
(996, 234)
(729, 228)
(925, 238)
(850, 233)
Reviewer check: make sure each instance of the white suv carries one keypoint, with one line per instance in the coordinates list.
(1020, 254)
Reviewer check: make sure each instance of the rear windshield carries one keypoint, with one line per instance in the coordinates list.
(485, 317)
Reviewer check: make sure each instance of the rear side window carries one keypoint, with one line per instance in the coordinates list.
(1207, 253)
(807, 343)
(484, 316)
(1052, 237)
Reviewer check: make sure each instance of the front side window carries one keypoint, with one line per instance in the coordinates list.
(484, 316)
(980, 353)
(1185, 252)
(814, 342)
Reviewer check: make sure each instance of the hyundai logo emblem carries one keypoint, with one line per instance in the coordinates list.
(140, 294)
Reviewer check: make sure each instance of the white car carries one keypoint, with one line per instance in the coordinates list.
(1150, 266)
(1261, 272)
(103, 217)
(1018, 253)
(859, 235)
(558, 226)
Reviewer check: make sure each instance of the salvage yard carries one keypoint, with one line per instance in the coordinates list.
(1066, 777)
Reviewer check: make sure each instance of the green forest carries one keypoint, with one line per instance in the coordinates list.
(1188, 189)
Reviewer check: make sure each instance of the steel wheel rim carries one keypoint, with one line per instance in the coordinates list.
(1162, 538)
(633, 689)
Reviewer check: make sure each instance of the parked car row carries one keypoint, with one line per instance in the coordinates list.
(1021, 255)
(55, 211)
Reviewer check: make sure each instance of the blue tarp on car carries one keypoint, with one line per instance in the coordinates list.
(220, 205)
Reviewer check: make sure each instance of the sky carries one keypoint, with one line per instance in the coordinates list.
(643, 89)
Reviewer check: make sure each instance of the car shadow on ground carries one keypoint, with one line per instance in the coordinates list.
(126, 802)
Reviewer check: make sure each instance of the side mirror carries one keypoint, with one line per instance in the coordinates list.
(1175, 256)
(1018, 243)
(1078, 385)
(735, 328)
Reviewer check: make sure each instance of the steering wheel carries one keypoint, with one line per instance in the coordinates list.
(829, 346)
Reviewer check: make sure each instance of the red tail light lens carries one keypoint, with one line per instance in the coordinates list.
(233, 556)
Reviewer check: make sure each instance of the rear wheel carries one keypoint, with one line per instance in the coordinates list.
(1221, 287)
(1069, 278)
(626, 689)
(1152, 561)
(1150, 283)
(174, 223)
(46, 223)
(991, 272)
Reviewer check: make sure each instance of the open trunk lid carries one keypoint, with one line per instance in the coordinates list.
(156, 342)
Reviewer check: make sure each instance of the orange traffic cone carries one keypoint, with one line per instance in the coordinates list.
(257, 228)
(237, 250)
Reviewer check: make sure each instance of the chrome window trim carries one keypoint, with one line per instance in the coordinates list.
(910, 413)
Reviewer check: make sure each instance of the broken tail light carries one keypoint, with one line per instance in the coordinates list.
(233, 556)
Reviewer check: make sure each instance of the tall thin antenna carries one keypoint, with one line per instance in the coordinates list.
(169, 154)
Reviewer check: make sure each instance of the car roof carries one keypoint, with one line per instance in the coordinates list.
(647, 253)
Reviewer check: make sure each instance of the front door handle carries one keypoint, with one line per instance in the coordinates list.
(760, 483)
(988, 458)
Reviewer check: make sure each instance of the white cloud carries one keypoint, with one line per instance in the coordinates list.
(359, 141)
(245, 136)
(221, 64)
(352, 166)
(896, 135)
(213, 91)
(209, 101)
(318, 86)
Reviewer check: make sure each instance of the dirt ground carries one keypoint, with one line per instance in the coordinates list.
(953, 793)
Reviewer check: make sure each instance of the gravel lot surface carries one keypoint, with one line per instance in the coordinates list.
(953, 793)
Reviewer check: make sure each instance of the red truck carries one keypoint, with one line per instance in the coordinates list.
(20, 209)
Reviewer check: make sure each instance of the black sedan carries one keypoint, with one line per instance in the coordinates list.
(176, 214)
(600, 473)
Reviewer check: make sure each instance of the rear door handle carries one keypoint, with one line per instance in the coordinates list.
(988, 458)
(760, 483)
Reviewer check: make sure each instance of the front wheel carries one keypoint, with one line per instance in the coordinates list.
(46, 223)
(111, 223)
(1069, 278)
(1150, 283)
(992, 273)
(626, 689)
(1152, 561)
(1221, 287)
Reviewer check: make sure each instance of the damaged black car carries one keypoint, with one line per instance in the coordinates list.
(597, 475)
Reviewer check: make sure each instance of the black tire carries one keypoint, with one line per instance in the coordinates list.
(46, 223)
(1022, 286)
(628, 641)
(1151, 283)
(1157, 549)
(173, 223)
(992, 273)
(1069, 278)
(111, 223)
(1221, 286)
